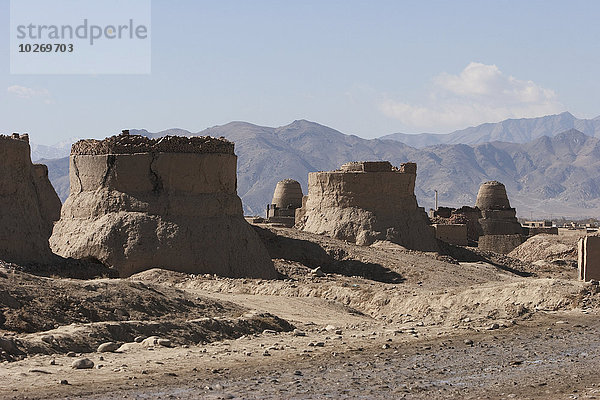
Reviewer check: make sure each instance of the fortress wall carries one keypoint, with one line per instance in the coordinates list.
(385, 192)
(502, 244)
(364, 207)
(175, 210)
(50, 204)
(28, 204)
(162, 184)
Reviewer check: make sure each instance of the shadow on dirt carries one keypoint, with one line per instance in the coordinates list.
(500, 261)
(334, 260)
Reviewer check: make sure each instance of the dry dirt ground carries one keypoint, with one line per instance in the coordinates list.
(342, 321)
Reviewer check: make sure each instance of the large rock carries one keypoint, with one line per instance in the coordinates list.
(28, 204)
(137, 203)
(364, 202)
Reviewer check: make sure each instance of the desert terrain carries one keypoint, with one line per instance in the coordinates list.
(341, 321)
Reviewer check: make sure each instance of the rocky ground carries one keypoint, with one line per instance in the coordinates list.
(342, 321)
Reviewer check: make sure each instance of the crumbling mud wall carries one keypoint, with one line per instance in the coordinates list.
(455, 234)
(28, 204)
(139, 203)
(588, 258)
(364, 202)
(501, 231)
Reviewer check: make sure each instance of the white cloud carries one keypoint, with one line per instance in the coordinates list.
(480, 93)
(29, 93)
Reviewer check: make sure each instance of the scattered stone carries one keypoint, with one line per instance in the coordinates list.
(140, 339)
(71, 354)
(108, 347)
(47, 339)
(494, 326)
(320, 344)
(53, 362)
(9, 346)
(266, 353)
(330, 328)
(164, 342)
(63, 382)
(269, 331)
(298, 332)
(468, 342)
(150, 341)
(82, 363)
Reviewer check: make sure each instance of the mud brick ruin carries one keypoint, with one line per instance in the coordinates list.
(491, 225)
(363, 202)
(588, 260)
(28, 204)
(501, 232)
(137, 203)
(287, 198)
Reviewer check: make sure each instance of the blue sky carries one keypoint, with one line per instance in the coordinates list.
(363, 67)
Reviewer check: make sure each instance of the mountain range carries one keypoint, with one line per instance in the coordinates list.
(553, 174)
(511, 130)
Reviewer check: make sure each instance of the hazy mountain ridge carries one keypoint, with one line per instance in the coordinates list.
(557, 175)
(511, 130)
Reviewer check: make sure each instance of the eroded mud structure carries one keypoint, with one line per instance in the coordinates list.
(137, 203)
(364, 202)
(287, 198)
(501, 232)
(28, 204)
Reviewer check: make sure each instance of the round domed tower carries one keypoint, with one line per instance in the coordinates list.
(492, 196)
(288, 193)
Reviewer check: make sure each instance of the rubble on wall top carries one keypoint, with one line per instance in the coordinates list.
(289, 180)
(492, 183)
(131, 144)
(15, 136)
(378, 166)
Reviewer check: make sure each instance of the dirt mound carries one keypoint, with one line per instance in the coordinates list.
(547, 248)
(62, 315)
(31, 303)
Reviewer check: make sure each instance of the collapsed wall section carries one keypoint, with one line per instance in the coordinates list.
(138, 203)
(28, 204)
(364, 202)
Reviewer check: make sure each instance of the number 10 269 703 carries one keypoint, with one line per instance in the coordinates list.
(46, 48)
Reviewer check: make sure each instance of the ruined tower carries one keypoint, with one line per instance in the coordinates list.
(288, 194)
(138, 203)
(501, 232)
(363, 202)
(28, 204)
(287, 198)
